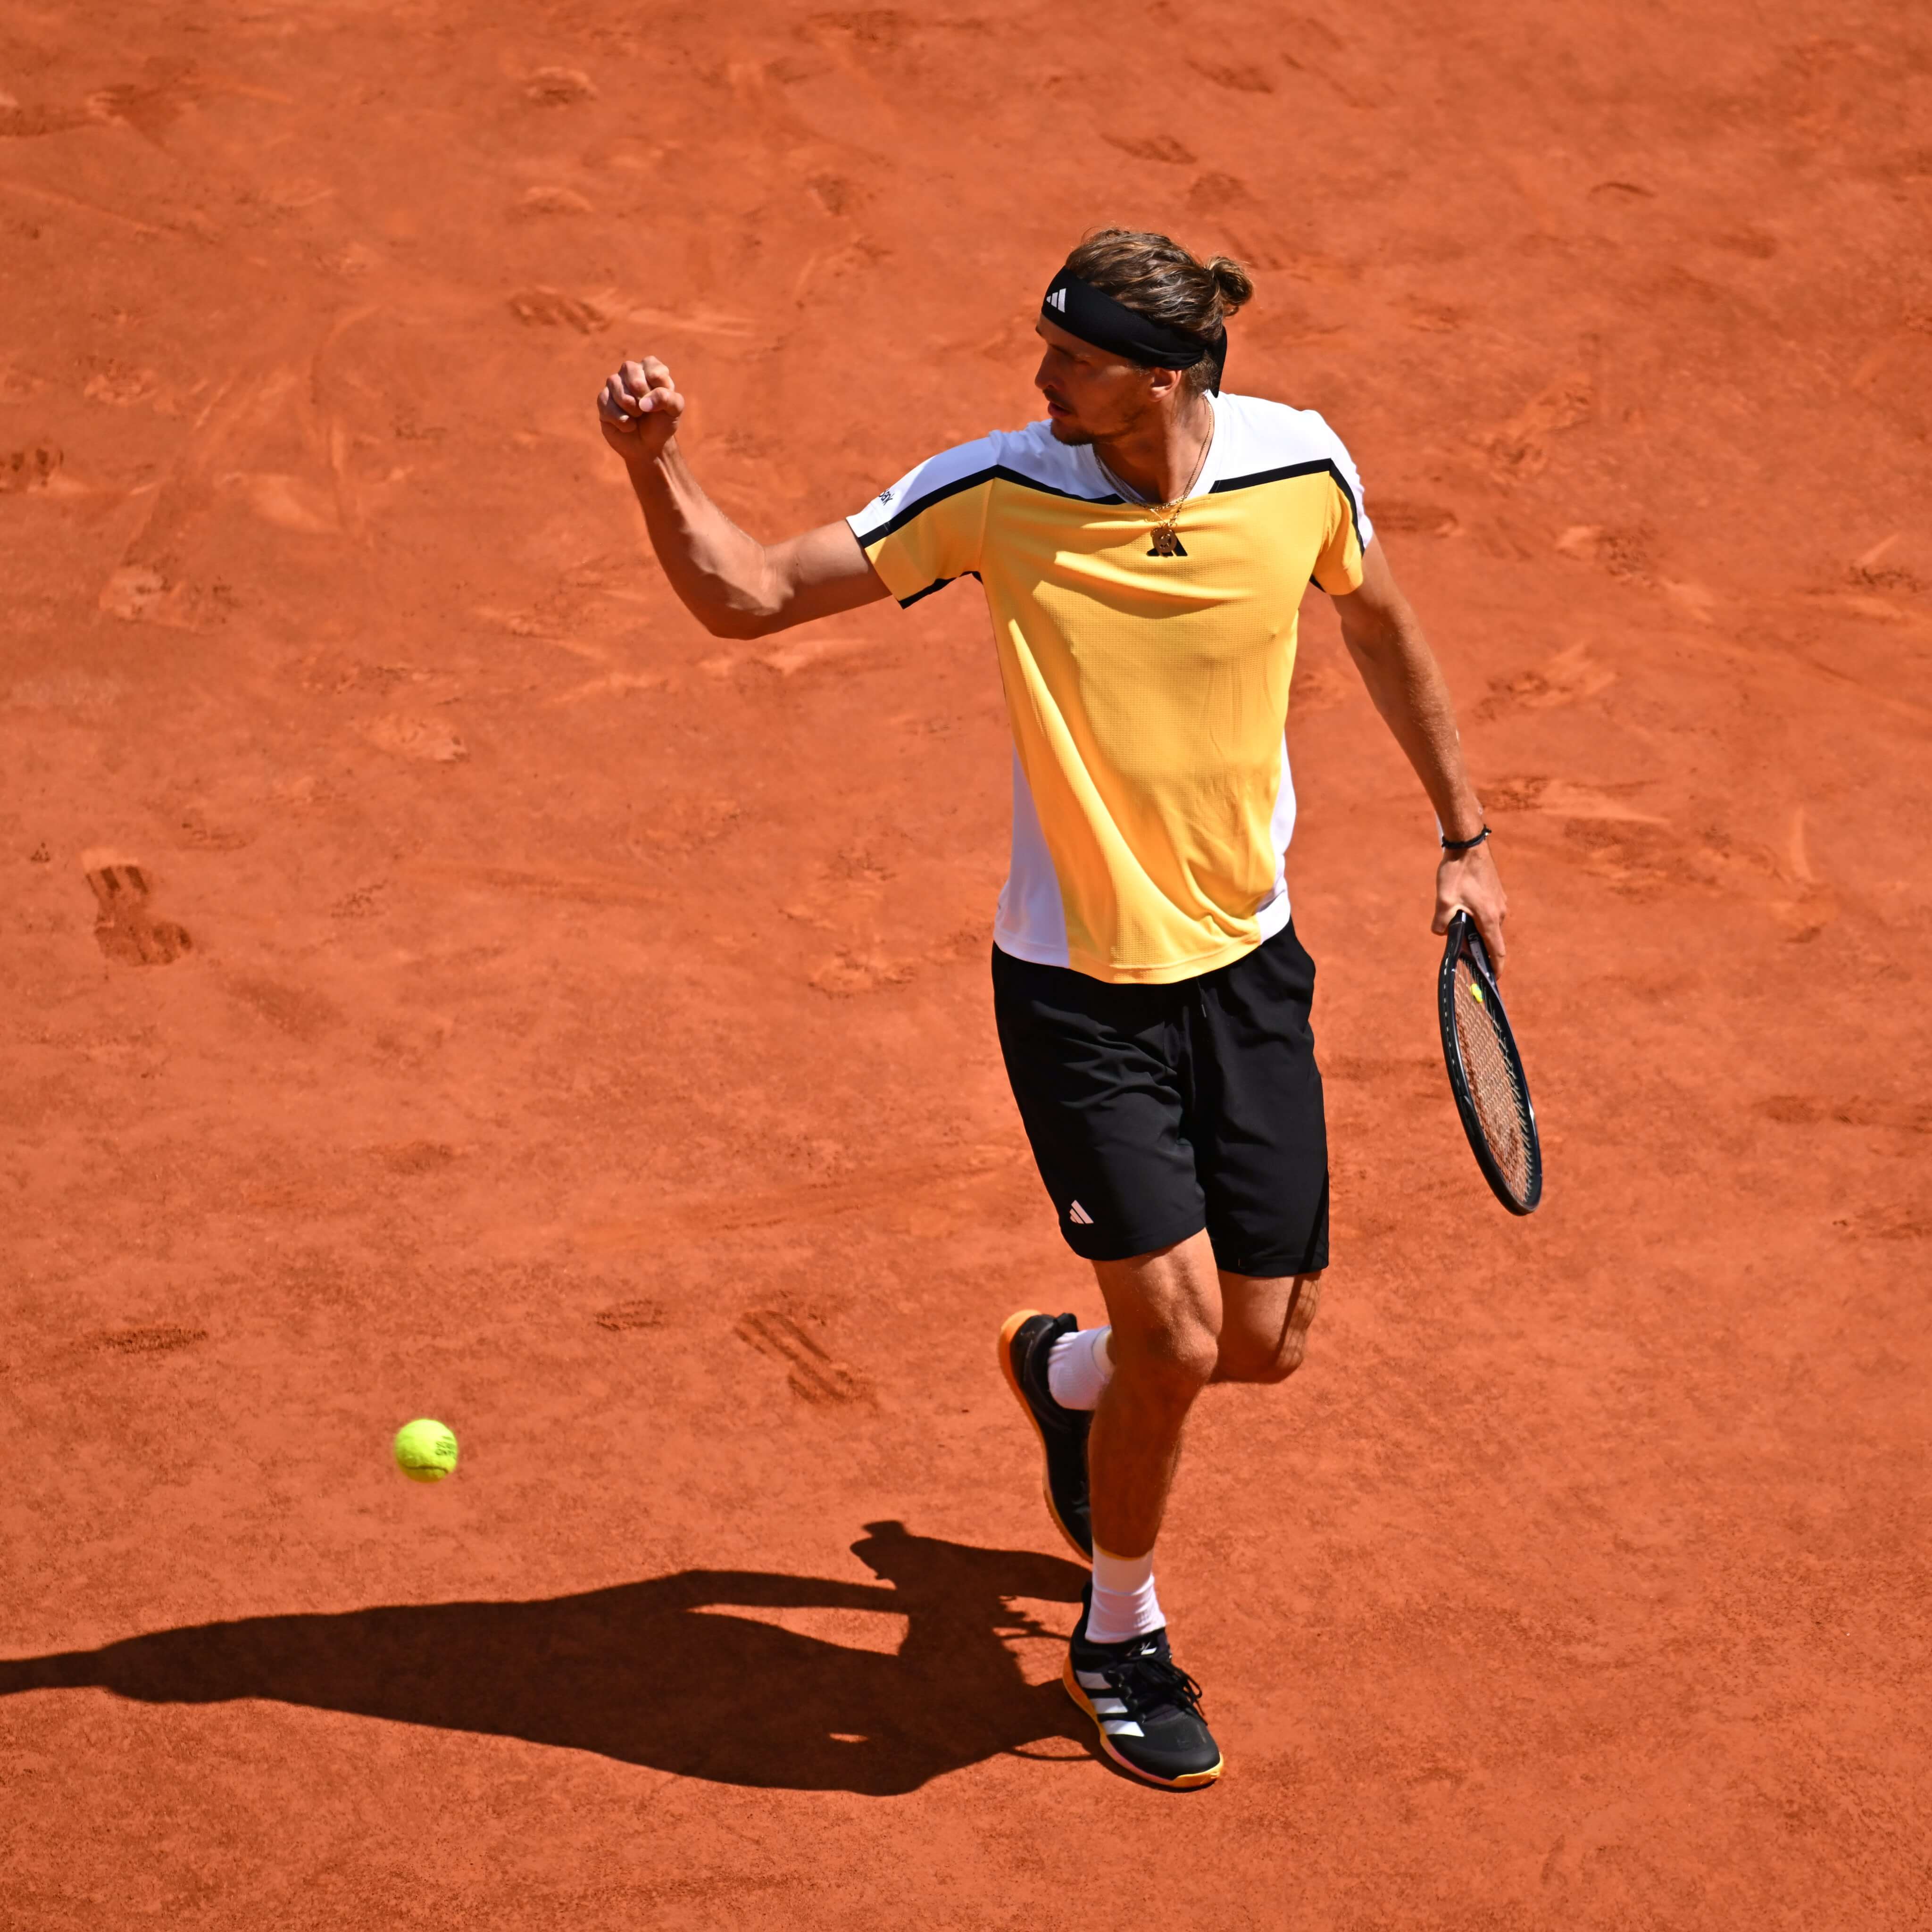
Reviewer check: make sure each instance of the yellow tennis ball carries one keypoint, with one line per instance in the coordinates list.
(425, 1451)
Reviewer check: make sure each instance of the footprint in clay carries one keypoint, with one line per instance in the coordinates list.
(125, 928)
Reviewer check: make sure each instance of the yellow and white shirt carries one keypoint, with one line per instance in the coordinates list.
(1148, 695)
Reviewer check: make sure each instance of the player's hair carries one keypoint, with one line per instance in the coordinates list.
(1158, 278)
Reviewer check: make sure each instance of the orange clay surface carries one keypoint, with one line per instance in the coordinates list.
(436, 979)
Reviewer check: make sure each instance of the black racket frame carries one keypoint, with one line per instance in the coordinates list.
(1463, 937)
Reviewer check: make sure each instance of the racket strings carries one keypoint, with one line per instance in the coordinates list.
(1502, 1109)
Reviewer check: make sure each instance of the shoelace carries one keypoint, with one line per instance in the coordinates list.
(1146, 1683)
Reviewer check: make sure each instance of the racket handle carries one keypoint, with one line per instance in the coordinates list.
(1461, 925)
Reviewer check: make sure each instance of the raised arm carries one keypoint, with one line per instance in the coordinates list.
(734, 585)
(1385, 640)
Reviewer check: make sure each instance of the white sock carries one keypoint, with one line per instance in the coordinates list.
(1124, 1604)
(1079, 1368)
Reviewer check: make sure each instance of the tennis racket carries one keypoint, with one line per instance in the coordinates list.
(1486, 1071)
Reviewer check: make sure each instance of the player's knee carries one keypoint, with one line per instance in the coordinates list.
(1278, 1363)
(1179, 1357)
(1274, 1354)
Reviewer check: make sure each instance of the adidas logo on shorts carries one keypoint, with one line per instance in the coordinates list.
(1079, 1215)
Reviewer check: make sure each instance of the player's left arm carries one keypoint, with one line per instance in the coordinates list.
(1384, 638)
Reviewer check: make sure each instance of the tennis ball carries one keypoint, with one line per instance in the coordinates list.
(425, 1451)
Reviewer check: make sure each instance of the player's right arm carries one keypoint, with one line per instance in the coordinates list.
(734, 585)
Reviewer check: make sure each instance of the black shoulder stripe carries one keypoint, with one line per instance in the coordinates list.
(1315, 468)
(998, 473)
(1259, 476)
(1025, 482)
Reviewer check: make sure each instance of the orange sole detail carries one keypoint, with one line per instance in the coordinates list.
(1192, 1781)
(1011, 1328)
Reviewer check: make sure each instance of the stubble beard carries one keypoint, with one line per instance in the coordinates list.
(1069, 433)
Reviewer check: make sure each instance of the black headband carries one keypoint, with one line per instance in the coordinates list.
(1083, 310)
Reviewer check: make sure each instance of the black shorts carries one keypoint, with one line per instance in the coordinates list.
(1155, 1112)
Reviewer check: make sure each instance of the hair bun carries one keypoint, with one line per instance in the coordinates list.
(1232, 283)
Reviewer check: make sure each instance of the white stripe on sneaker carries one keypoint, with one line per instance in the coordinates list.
(1108, 1709)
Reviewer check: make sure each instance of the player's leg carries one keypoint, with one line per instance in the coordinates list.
(1165, 1313)
(1163, 1347)
(1095, 1072)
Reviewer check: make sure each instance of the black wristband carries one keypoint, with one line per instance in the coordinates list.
(1464, 844)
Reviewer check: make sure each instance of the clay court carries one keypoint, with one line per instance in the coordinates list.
(438, 979)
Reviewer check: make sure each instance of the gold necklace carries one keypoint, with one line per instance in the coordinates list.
(1166, 537)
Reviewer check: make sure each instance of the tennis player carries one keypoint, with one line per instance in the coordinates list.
(1143, 551)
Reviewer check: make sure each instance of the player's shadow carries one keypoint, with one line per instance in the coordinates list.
(670, 1673)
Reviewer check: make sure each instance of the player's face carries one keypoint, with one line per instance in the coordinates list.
(1090, 394)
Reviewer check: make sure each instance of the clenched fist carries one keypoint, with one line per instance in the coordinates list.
(638, 409)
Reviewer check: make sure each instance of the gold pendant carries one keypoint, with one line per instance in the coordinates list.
(1166, 542)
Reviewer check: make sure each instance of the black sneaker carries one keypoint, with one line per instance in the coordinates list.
(1148, 1710)
(1025, 1343)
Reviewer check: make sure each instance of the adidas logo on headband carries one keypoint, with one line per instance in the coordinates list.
(1058, 300)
